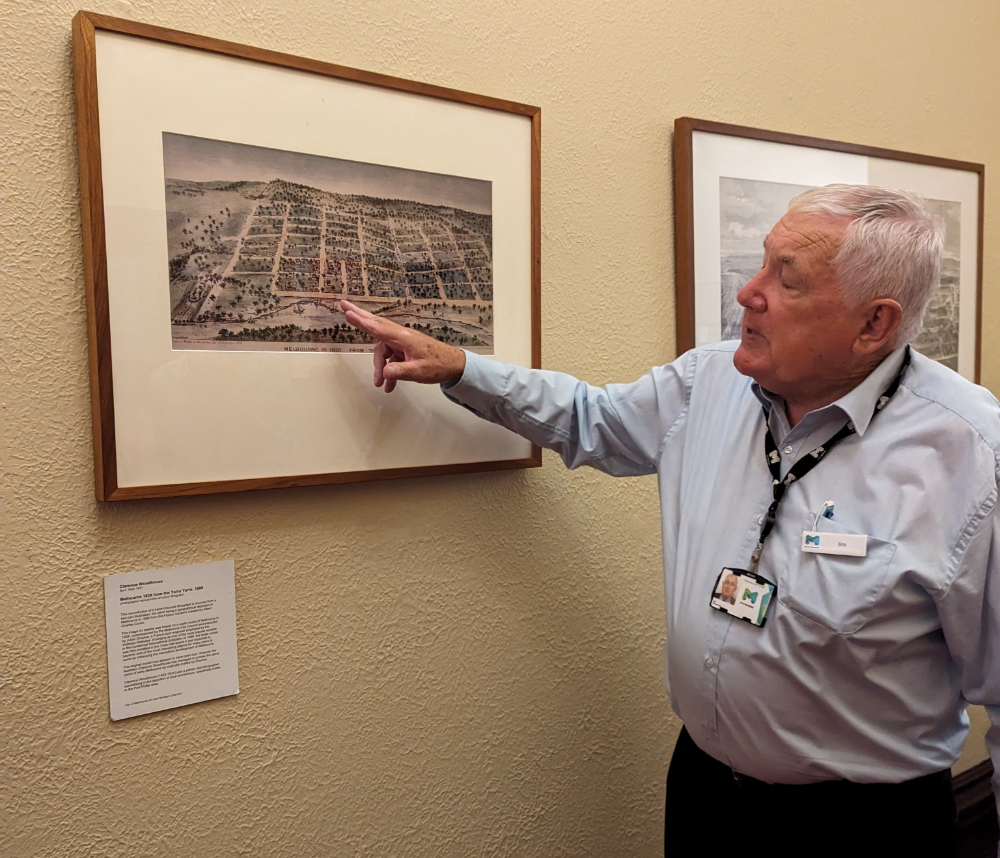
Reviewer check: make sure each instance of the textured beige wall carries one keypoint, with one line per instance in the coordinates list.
(449, 667)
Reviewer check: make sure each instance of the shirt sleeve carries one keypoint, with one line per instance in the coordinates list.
(618, 429)
(970, 618)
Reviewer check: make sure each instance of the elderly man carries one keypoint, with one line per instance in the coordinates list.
(727, 592)
(833, 714)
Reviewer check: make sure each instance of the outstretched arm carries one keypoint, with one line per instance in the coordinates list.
(402, 354)
(617, 430)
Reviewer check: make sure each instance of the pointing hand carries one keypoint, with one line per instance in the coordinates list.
(402, 354)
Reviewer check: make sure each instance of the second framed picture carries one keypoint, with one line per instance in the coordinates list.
(232, 197)
(732, 184)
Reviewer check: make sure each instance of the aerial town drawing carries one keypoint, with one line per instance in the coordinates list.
(261, 263)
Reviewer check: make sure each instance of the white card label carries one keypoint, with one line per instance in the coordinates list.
(850, 544)
(171, 637)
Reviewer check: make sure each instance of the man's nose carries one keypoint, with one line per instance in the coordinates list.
(751, 297)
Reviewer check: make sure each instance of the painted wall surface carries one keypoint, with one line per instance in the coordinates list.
(439, 667)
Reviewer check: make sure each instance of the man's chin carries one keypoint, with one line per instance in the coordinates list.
(753, 362)
(743, 360)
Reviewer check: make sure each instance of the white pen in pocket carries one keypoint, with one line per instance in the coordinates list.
(825, 511)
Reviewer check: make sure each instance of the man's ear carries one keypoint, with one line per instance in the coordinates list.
(883, 320)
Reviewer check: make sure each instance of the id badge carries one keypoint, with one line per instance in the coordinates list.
(850, 544)
(743, 594)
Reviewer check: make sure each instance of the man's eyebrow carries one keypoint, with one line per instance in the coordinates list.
(784, 260)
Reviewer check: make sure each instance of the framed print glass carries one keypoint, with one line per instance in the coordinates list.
(231, 197)
(732, 184)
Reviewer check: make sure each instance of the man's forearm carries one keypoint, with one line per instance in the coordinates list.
(553, 410)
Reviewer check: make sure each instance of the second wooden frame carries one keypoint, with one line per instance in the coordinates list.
(732, 183)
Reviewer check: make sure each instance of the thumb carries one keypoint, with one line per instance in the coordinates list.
(402, 370)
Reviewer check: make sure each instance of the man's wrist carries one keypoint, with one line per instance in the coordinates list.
(459, 371)
(459, 366)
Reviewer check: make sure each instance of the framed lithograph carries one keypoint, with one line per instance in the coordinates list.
(231, 197)
(732, 184)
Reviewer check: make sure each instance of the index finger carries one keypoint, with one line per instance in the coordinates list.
(381, 329)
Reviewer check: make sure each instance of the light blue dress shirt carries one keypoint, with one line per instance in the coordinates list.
(865, 665)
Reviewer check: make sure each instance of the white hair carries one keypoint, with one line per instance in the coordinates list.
(891, 249)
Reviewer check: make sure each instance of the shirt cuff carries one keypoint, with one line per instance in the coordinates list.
(482, 383)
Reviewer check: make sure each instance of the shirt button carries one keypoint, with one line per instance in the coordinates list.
(789, 449)
(760, 519)
(710, 662)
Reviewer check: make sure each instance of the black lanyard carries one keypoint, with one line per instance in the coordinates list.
(809, 461)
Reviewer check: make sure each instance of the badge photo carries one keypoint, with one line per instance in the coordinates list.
(743, 594)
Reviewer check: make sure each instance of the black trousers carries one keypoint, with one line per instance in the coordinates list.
(711, 812)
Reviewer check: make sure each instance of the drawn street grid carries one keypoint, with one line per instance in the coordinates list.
(263, 265)
(748, 208)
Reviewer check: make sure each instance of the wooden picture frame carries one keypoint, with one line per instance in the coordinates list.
(731, 183)
(419, 193)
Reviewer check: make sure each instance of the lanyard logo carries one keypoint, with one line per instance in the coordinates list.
(812, 540)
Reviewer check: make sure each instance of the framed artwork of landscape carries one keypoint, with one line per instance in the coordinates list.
(732, 184)
(232, 197)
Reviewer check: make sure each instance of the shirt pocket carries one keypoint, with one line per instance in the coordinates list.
(835, 590)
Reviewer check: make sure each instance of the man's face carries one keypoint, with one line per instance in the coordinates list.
(797, 331)
(728, 586)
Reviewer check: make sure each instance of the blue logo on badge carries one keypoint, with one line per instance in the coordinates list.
(749, 597)
(812, 540)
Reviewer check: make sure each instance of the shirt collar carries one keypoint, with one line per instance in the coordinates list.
(858, 404)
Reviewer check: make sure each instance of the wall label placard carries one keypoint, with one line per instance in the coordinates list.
(171, 637)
